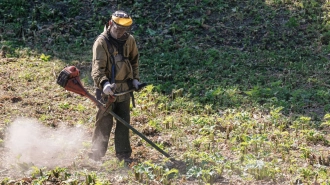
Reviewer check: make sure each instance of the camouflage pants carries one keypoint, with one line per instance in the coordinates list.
(103, 128)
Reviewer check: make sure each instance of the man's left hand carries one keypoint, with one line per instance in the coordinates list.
(136, 84)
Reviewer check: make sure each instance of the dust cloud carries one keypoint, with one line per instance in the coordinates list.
(31, 143)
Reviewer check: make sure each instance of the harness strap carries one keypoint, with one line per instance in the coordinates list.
(113, 67)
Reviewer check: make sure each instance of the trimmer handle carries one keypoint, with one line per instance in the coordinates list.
(141, 86)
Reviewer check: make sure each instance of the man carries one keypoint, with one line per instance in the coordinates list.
(114, 69)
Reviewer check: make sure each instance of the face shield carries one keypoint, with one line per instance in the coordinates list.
(117, 31)
(121, 24)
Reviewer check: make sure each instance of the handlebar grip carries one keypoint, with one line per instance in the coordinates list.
(141, 86)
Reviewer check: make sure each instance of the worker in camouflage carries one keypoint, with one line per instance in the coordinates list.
(115, 69)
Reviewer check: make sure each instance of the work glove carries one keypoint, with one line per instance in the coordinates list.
(109, 88)
(136, 84)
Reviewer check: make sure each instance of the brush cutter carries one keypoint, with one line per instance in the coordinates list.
(69, 79)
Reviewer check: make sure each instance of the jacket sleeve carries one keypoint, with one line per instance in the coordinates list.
(99, 65)
(134, 59)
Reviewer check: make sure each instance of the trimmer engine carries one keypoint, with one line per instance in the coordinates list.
(69, 79)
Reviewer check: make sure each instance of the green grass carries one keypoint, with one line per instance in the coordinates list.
(239, 90)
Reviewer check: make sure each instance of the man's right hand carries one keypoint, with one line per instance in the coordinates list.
(109, 88)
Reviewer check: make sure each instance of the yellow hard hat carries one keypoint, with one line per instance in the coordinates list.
(122, 18)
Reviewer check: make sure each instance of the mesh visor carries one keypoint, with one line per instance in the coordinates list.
(120, 28)
(118, 31)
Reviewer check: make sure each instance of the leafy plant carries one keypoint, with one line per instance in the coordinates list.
(44, 57)
(261, 170)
